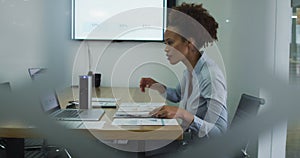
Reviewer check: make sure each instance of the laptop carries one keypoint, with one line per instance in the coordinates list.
(51, 106)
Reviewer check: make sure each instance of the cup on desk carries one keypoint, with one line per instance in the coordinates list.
(85, 92)
(97, 80)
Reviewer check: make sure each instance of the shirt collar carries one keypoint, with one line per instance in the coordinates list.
(200, 62)
(197, 69)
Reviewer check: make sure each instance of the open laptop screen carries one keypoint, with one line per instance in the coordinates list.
(50, 102)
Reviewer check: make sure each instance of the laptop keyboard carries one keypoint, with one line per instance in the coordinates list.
(69, 113)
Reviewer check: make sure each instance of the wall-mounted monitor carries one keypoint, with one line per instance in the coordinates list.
(135, 20)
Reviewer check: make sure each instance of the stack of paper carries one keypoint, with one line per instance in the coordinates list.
(105, 102)
(135, 114)
(136, 110)
(132, 114)
(105, 99)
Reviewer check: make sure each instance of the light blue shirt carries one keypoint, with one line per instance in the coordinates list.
(206, 101)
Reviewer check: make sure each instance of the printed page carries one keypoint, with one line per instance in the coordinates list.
(132, 114)
(105, 99)
(144, 121)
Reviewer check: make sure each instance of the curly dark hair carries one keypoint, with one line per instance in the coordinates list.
(201, 26)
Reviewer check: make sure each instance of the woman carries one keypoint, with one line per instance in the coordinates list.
(202, 92)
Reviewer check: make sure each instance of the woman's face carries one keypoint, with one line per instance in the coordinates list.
(176, 47)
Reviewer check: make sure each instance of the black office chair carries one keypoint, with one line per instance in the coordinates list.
(247, 107)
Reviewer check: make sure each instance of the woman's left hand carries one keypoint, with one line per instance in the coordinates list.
(173, 112)
(167, 112)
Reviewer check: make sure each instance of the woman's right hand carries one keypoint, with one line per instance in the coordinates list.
(150, 83)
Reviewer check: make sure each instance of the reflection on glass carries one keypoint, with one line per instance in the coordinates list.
(295, 48)
(293, 132)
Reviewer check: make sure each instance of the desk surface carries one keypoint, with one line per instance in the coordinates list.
(108, 131)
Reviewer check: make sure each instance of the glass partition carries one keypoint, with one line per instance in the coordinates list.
(293, 132)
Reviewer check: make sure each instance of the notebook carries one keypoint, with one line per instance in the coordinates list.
(51, 106)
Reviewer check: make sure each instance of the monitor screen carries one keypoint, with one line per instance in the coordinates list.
(139, 20)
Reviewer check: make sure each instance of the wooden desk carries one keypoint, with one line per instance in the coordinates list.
(125, 132)
(108, 132)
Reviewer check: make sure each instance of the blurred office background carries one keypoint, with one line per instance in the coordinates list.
(257, 39)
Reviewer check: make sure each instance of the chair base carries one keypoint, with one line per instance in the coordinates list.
(47, 152)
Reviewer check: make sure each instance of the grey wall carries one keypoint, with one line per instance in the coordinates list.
(37, 34)
(21, 40)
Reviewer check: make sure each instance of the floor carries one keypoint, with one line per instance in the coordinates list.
(293, 140)
(293, 132)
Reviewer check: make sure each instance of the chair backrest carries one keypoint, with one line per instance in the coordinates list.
(247, 107)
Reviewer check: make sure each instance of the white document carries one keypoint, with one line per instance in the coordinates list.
(105, 99)
(144, 121)
(104, 104)
(132, 114)
(137, 108)
(143, 104)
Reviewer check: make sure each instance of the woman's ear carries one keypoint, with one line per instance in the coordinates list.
(192, 45)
